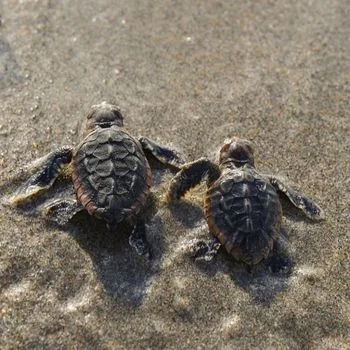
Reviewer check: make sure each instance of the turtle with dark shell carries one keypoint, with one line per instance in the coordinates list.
(242, 206)
(111, 174)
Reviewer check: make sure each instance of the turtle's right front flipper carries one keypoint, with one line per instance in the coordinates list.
(300, 201)
(164, 155)
(191, 175)
(48, 171)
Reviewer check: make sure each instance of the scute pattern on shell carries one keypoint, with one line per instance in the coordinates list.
(244, 212)
(111, 175)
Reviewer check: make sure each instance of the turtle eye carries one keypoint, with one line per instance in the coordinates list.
(250, 149)
(225, 147)
(250, 146)
(91, 114)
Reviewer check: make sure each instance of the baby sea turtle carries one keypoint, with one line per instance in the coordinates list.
(110, 173)
(242, 206)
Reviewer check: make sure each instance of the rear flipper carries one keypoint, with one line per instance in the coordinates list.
(138, 239)
(308, 206)
(206, 251)
(48, 169)
(191, 175)
(164, 155)
(279, 261)
(61, 210)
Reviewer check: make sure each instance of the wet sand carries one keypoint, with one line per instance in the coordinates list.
(187, 75)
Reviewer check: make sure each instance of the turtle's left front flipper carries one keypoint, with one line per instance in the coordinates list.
(48, 170)
(164, 155)
(308, 206)
(190, 175)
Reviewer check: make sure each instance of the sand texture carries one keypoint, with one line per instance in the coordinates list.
(188, 75)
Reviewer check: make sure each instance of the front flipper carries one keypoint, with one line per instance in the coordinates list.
(138, 239)
(163, 154)
(191, 175)
(206, 251)
(61, 210)
(48, 170)
(308, 206)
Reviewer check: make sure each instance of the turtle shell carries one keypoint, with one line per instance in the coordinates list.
(111, 175)
(244, 212)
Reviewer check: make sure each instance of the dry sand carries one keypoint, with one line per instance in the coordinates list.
(187, 74)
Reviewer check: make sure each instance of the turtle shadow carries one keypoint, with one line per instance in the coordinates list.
(124, 275)
(186, 212)
(263, 282)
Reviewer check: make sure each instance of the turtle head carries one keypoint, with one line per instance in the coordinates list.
(238, 151)
(104, 115)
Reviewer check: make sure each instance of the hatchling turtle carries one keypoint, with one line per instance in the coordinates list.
(110, 173)
(242, 206)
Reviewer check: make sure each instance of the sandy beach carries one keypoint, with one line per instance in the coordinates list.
(187, 75)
